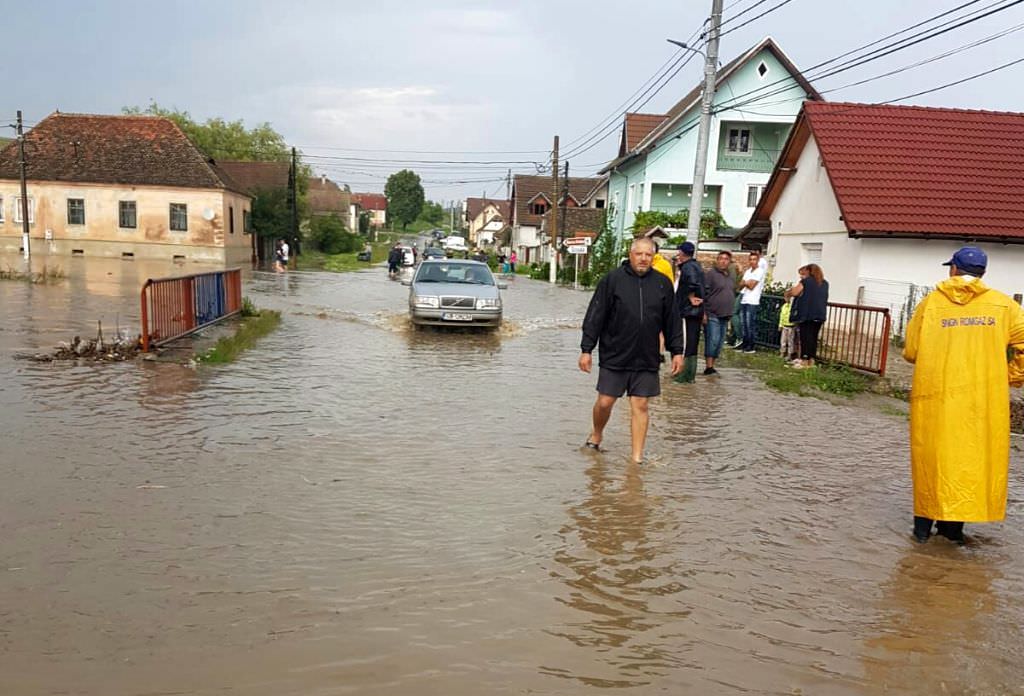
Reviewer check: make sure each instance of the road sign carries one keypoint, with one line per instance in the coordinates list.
(577, 248)
(576, 241)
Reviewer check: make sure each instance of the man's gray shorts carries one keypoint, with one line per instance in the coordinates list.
(632, 382)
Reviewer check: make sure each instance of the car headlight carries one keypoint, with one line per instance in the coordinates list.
(488, 303)
(426, 301)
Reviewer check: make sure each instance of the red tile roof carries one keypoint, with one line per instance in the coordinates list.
(326, 197)
(636, 127)
(125, 150)
(526, 187)
(918, 170)
(371, 201)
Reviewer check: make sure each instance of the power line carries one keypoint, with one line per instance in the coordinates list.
(957, 82)
(754, 19)
(422, 152)
(876, 54)
(741, 13)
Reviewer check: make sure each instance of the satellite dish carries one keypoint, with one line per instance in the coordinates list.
(208, 214)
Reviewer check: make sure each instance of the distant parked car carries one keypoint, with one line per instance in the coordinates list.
(364, 255)
(408, 257)
(455, 243)
(433, 253)
(453, 293)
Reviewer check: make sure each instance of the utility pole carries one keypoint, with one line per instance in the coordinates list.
(704, 132)
(293, 183)
(553, 232)
(508, 187)
(25, 242)
(565, 198)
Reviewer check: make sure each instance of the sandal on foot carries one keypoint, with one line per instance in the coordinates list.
(596, 446)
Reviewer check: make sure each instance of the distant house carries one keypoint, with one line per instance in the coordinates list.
(328, 198)
(260, 179)
(879, 196)
(486, 218)
(122, 186)
(532, 199)
(376, 204)
(654, 166)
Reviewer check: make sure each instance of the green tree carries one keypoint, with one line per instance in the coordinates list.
(218, 138)
(432, 213)
(603, 254)
(364, 223)
(405, 196)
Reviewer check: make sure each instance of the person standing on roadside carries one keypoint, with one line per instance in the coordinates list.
(631, 306)
(512, 259)
(750, 300)
(719, 296)
(690, 303)
(809, 311)
(967, 345)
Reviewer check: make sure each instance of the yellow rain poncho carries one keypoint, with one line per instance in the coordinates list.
(960, 399)
(663, 266)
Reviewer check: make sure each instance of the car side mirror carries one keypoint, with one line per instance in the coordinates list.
(406, 282)
(503, 286)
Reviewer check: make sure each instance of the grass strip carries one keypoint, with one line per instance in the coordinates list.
(342, 263)
(819, 380)
(253, 326)
(48, 274)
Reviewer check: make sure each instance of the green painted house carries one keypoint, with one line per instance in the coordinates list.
(758, 96)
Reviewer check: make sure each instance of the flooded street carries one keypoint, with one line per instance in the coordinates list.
(354, 507)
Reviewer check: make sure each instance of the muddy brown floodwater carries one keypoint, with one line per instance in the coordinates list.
(357, 508)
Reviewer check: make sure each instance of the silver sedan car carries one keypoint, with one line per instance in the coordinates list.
(446, 292)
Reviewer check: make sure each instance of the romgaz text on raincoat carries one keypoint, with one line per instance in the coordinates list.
(960, 400)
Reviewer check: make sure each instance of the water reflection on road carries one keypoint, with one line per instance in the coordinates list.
(356, 507)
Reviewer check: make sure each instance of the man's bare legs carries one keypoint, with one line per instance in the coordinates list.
(639, 417)
(602, 412)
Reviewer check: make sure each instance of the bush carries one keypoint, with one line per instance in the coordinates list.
(328, 234)
(539, 272)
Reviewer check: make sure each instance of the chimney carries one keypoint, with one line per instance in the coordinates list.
(323, 179)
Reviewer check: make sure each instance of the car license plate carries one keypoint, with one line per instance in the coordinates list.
(454, 316)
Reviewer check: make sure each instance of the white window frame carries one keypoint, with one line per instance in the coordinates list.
(68, 205)
(759, 192)
(170, 217)
(135, 214)
(767, 69)
(739, 135)
(31, 210)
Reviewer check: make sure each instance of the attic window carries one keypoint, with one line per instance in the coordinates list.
(539, 208)
(762, 69)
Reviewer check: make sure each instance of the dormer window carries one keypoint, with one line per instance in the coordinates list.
(539, 208)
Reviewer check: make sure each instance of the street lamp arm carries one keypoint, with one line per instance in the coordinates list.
(682, 45)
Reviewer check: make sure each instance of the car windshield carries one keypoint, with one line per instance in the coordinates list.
(454, 273)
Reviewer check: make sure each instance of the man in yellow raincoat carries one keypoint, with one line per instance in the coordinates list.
(960, 399)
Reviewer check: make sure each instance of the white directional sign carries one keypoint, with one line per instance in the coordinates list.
(577, 248)
(576, 241)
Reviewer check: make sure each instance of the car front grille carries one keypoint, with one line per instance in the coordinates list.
(458, 302)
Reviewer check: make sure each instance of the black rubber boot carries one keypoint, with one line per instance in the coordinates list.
(922, 528)
(689, 373)
(954, 531)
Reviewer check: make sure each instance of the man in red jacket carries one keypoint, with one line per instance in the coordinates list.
(631, 307)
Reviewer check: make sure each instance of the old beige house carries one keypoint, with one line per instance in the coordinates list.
(122, 186)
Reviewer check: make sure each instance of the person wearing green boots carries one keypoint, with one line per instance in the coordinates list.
(690, 301)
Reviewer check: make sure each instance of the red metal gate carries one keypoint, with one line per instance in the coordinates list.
(175, 307)
(857, 336)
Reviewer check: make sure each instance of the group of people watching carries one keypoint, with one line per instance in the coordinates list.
(724, 298)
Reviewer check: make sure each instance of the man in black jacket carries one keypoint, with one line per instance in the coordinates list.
(630, 308)
(690, 302)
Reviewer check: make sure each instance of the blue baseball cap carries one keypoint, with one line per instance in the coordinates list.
(687, 248)
(969, 259)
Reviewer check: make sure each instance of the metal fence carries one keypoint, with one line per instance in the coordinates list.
(853, 335)
(175, 307)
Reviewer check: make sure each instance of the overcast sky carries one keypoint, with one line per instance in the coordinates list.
(450, 75)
